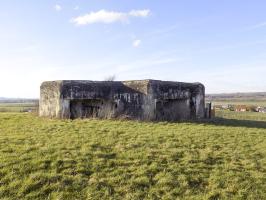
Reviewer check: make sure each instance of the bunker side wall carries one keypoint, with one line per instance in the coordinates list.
(49, 105)
(200, 102)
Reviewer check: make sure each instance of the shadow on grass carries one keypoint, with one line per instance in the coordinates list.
(219, 121)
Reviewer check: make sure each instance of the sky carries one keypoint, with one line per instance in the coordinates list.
(221, 44)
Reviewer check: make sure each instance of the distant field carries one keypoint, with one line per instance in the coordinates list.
(256, 99)
(107, 159)
(17, 107)
(248, 116)
(238, 102)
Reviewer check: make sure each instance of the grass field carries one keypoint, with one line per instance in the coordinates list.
(238, 102)
(17, 107)
(108, 159)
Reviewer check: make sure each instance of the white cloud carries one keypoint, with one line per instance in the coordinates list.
(101, 16)
(108, 17)
(140, 13)
(57, 7)
(258, 25)
(136, 43)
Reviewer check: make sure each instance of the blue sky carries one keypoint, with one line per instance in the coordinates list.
(219, 43)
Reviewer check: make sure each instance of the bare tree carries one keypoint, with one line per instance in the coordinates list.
(110, 78)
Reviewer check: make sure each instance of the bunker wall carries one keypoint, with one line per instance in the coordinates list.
(49, 105)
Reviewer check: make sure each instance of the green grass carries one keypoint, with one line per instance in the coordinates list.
(251, 116)
(108, 159)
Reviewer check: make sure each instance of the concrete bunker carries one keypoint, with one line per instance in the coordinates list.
(142, 100)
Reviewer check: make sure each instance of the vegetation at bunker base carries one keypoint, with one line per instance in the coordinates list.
(108, 159)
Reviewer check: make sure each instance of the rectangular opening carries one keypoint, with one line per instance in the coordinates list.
(87, 108)
(172, 109)
(92, 108)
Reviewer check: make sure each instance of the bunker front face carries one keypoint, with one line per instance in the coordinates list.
(141, 99)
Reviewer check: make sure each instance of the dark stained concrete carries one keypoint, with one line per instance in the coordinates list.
(142, 100)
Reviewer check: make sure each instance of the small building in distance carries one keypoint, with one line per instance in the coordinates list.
(141, 100)
(241, 108)
(261, 109)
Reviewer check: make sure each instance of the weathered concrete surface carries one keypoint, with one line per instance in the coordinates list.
(143, 100)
